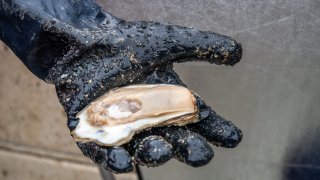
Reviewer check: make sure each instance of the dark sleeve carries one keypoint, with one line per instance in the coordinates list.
(41, 31)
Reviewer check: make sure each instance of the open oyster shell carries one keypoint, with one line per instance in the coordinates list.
(116, 116)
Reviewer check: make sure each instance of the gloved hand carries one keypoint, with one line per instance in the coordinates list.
(85, 52)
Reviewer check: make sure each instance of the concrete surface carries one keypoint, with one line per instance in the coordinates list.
(19, 166)
(273, 94)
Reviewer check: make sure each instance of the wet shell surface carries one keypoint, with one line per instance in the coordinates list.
(113, 118)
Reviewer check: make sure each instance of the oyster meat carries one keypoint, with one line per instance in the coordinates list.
(113, 118)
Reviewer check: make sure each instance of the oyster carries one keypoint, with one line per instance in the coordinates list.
(116, 116)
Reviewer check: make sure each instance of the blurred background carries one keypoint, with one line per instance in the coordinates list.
(273, 95)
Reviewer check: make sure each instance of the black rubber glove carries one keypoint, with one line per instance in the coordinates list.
(85, 52)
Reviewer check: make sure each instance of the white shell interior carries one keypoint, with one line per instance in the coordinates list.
(117, 134)
(110, 135)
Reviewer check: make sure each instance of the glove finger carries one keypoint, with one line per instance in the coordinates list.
(215, 128)
(188, 147)
(115, 159)
(218, 131)
(152, 151)
(163, 43)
